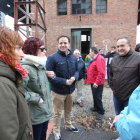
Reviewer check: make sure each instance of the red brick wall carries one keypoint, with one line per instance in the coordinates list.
(120, 20)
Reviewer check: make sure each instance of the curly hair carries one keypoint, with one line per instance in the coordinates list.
(31, 46)
(9, 40)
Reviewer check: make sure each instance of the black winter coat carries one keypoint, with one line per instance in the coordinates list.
(110, 56)
(82, 70)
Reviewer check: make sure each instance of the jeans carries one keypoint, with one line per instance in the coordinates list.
(119, 106)
(97, 98)
(39, 131)
(108, 68)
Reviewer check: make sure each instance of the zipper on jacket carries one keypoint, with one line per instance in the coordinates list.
(23, 133)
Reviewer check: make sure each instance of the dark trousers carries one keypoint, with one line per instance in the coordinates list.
(119, 106)
(108, 68)
(97, 98)
(39, 131)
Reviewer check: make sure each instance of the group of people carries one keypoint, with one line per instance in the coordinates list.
(27, 104)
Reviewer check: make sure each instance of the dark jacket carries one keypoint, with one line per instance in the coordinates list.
(124, 75)
(110, 56)
(15, 120)
(64, 67)
(103, 55)
(82, 69)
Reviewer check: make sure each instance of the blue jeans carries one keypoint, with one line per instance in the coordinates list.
(119, 106)
(39, 131)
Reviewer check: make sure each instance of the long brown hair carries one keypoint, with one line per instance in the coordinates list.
(9, 40)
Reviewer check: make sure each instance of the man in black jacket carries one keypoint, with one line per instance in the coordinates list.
(82, 75)
(64, 64)
(124, 74)
(109, 57)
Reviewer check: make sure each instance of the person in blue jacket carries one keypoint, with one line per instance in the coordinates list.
(64, 64)
(128, 121)
(82, 75)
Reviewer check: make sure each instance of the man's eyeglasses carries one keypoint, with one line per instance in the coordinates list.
(42, 49)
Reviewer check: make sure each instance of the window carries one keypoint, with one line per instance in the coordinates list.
(81, 6)
(62, 7)
(101, 6)
(83, 38)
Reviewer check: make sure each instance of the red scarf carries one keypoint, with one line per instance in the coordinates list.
(19, 67)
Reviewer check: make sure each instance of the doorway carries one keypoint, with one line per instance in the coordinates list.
(81, 40)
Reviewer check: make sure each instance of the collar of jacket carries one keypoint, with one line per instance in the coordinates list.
(62, 53)
(94, 59)
(128, 54)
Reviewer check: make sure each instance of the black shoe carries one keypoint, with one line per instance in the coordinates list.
(73, 129)
(99, 116)
(93, 109)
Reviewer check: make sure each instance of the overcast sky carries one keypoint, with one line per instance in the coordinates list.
(9, 21)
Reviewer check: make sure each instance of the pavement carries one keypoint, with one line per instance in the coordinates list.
(84, 133)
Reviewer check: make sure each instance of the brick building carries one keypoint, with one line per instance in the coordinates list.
(90, 22)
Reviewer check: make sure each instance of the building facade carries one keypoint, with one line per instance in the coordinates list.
(90, 23)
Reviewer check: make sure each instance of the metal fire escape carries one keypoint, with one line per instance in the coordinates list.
(34, 20)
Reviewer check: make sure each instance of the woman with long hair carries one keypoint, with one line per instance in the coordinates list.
(15, 120)
(36, 87)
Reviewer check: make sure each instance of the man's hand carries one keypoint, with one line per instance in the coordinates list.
(72, 79)
(115, 120)
(112, 51)
(68, 82)
(50, 74)
(95, 85)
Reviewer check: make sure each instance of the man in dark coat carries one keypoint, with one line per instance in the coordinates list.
(110, 55)
(64, 64)
(124, 73)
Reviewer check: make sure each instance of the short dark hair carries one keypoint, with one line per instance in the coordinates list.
(100, 49)
(31, 46)
(137, 47)
(113, 47)
(125, 37)
(63, 36)
(94, 49)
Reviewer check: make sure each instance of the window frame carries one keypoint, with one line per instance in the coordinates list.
(100, 7)
(58, 2)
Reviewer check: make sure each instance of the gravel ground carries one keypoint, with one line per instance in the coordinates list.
(88, 102)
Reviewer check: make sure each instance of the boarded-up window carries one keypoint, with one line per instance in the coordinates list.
(81, 6)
